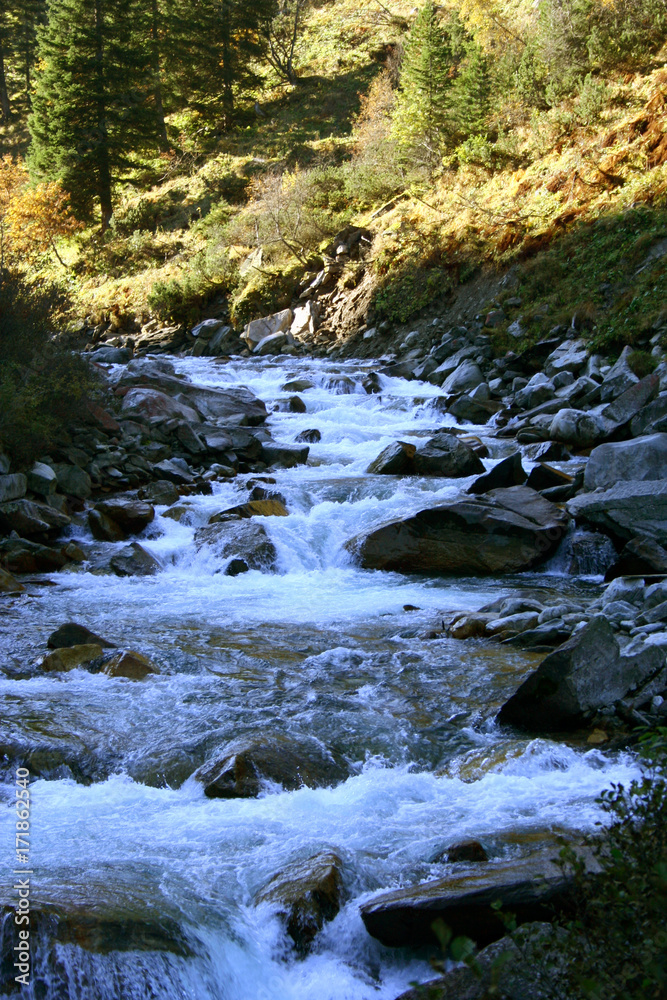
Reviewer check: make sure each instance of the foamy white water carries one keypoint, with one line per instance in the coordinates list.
(317, 648)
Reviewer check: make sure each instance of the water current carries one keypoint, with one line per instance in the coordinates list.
(318, 648)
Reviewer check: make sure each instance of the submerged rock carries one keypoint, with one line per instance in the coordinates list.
(394, 460)
(8, 585)
(266, 507)
(243, 766)
(127, 663)
(133, 560)
(242, 540)
(306, 893)
(72, 634)
(284, 456)
(70, 657)
(505, 531)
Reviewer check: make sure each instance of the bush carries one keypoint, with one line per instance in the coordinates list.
(179, 300)
(43, 386)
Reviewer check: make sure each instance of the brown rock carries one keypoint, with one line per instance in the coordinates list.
(8, 585)
(253, 508)
(307, 893)
(70, 657)
(130, 513)
(395, 460)
(19, 555)
(104, 528)
(71, 634)
(27, 518)
(467, 850)
(129, 664)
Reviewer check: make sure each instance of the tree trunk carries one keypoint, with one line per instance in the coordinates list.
(163, 138)
(5, 106)
(103, 165)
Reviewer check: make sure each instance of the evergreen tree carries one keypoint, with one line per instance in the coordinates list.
(31, 14)
(6, 37)
(471, 97)
(93, 103)
(422, 117)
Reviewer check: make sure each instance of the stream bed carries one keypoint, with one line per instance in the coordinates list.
(319, 648)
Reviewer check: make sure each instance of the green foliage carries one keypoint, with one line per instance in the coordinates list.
(179, 300)
(642, 363)
(409, 289)
(471, 93)
(264, 292)
(43, 386)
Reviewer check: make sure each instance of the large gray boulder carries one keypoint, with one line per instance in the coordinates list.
(394, 460)
(12, 487)
(73, 481)
(578, 428)
(587, 673)
(527, 887)
(153, 403)
(504, 531)
(446, 455)
(619, 378)
(626, 510)
(28, 518)
(467, 376)
(638, 459)
(583, 429)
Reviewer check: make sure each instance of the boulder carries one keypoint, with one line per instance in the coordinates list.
(224, 341)
(175, 470)
(8, 585)
(446, 455)
(638, 459)
(639, 557)
(466, 376)
(644, 422)
(298, 385)
(310, 436)
(273, 344)
(243, 539)
(578, 428)
(306, 893)
(528, 887)
(545, 477)
(73, 481)
(42, 480)
(394, 460)
(253, 508)
(13, 487)
(621, 412)
(103, 528)
(152, 403)
(127, 663)
(258, 329)
(111, 355)
(28, 518)
(466, 850)
(72, 634)
(70, 657)
(587, 673)
(160, 492)
(292, 405)
(133, 560)
(619, 378)
(19, 555)
(626, 510)
(206, 329)
(284, 456)
(306, 319)
(508, 472)
(505, 531)
(467, 409)
(570, 356)
(243, 766)
(130, 513)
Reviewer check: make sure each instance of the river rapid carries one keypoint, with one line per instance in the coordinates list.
(319, 648)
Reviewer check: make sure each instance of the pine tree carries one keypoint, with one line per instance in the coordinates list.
(7, 31)
(93, 103)
(471, 93)
(31, 14)
(422, 118)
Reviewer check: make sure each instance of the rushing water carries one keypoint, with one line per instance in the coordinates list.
(318, 648)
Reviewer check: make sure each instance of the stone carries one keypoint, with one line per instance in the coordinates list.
(510, 625)
(655, 594)
(134, 560)
(621, 412)
(243, 539)
(273, 344)
(544, 477)
(73, 481)
(624, 590)
(129, 664)
(8, 585)
(152, 403)
(174, 470)
(305, 320)
(160, 492)
(570, 356)
(310, 436)
(20, 555)
(111, 355)
(103, 528)
(578, 428)
(466, 376)
(253, 508)
(587, 673)
(258, 329)
(539, 390)
(474, 411)
(626, 510)
(528, 887)
(292, 405)
(590, 553)
(72, 634)
(641, 557)
(71, 657)
(619, 378)
(644, 421)
(28, 518)
(13, 487)
(446, 455)
(394, 460)
(466, 850)
(284, 456)
(506, 530)
(42, 480)
(306, 894)
(236, 566)
(224, 341)
(471, 626)
(243, 767)
(508, 472)
(298, 385)
(642, 458)
(131, 513)
(206, 328)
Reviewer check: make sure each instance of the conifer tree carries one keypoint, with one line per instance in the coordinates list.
(93, 103)
(6, 35)
(422, 117)
(471, 95)
(31, 14)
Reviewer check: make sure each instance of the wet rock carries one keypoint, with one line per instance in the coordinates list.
(578, 428)
(528, 887)
(133, 560)
(129, 512)
(273, 344)
(20, 555)
(13, 487)
(42, 480)
(544, 477)
(103, 528)
(394, 460)
(111, 355)
(73, 634)
(471, 626)
(236, 566)
(466, 850)
(8, 585)
(175, 470)
(640, 556)
(307, 893)
(73, 481)
(28, 518)
(474, 411)
(292, 405)
(446, 455)
(626, 510)
(642, 458)
(508, 472)
(160, 492)
(506, 530)
(298, 385)
(372, 384)
(512, 624)
(71, 657)
(242, 768)
(129, 664)
(589, 553)
(244, 540)
(253, 508)
(284, 456)
(311, 436)
(153, 403)
(587, 673)
(466, 376)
